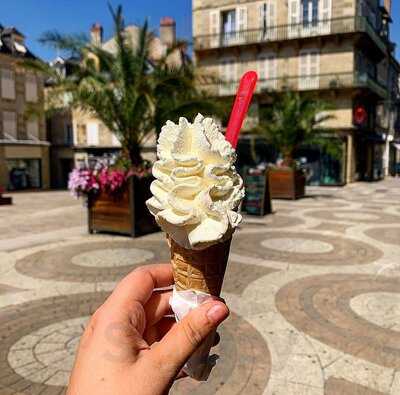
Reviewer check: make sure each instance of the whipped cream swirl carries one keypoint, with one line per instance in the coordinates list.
(197, 189)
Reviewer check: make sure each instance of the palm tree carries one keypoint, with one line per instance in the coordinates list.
(132, 95)
(293, 120)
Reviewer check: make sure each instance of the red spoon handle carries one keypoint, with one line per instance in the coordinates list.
(240, 107)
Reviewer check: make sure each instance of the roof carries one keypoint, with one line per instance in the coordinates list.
(11, 30)
(12, 47)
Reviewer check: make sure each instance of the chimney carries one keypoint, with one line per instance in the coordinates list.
(168, 31)
(388, 6)
(96, 34)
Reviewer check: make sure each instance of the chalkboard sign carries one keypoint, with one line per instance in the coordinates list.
(258, 198)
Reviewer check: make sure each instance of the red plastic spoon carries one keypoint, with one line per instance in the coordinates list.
(240, 107)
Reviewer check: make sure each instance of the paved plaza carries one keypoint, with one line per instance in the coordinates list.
(314, 291)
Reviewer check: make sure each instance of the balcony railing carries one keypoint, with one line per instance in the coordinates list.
(289, 32)
(303, 83)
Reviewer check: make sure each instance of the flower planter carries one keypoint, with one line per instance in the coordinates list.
(287, 183)
(123, 213)
(3, 199)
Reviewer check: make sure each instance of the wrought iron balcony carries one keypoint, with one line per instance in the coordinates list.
(303, 83)
(290, 32)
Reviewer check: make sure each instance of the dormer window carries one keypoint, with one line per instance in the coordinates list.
(20, 48)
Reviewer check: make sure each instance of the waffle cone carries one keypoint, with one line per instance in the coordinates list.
(201, 270)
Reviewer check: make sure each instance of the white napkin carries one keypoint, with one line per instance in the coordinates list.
(200, 363)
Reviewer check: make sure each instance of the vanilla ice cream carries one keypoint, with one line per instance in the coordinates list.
(197, 190)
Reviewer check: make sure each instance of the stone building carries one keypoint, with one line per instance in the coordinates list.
(338, 50)
(77, 136)
(24, 149)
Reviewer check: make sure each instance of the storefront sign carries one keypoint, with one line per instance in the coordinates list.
(360, 115)
(258, 201)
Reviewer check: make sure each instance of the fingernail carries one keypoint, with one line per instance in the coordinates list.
(217, 313)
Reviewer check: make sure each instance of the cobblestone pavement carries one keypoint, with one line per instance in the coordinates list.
(314, 291)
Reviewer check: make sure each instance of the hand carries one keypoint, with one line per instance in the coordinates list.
(130, 347)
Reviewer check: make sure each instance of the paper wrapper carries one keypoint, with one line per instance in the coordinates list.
(198, 275)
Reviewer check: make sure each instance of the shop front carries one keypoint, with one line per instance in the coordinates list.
(370, 151)
(27, 167)
(394, 158)
(324, 164)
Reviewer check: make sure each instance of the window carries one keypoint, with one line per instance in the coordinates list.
(228, 74)
(31, 90)
(228, 26)
(92, 133)
(10, 125)
(7, 84)
(267, 69)
(366, 10)
(309, 69)
(32, 129)
(310, 12)
(68, 134)
(267, 19)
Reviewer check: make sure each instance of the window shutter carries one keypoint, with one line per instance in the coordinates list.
(325, 10)
(294, 12)
(262, 15)
(241, 19)
(214, 25)
(274, 68)
(262, 69)
(214, 22)
(293, 17)
(314, 63)
(272, 13)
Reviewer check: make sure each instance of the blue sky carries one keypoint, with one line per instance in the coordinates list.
(33, 17)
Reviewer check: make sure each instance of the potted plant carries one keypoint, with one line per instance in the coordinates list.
(289, 122)
(133, 95)
(115, 198)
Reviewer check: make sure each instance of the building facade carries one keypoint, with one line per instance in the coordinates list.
(78, 137)
(24, 149)
(338, 50)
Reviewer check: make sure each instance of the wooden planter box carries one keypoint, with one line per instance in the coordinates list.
(125, 213)
(287, 183)
(258, 195)
(3, 199)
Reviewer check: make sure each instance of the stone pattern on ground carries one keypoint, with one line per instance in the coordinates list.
(314, 291)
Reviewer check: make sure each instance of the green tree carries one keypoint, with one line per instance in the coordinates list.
(132, 95)
(292, 120)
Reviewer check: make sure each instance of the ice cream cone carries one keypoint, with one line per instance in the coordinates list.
(200, 270)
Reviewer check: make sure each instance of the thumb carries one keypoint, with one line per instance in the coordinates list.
(184, 338)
